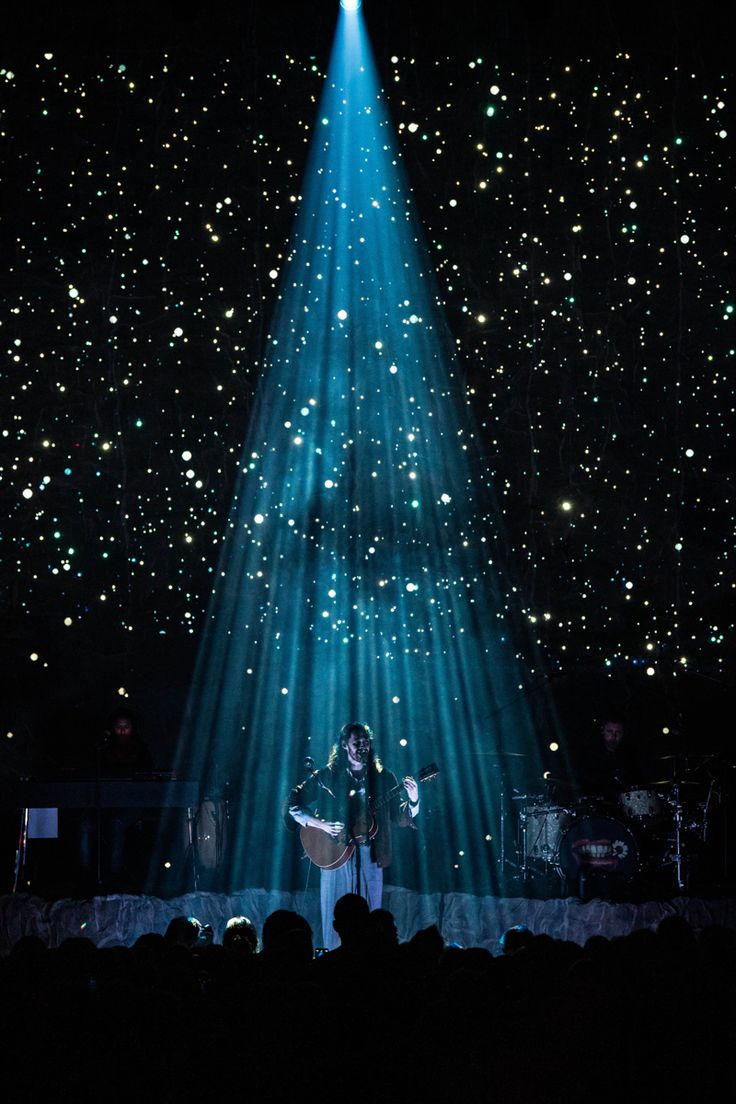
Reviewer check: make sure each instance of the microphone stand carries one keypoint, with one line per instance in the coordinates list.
(192, 814)
(357, 852)
(99, 744)
(313, 774)
(224, 825)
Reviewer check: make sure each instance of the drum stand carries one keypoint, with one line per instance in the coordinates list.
(681, 824)
(678, 859)
(549, 854)
(503, 862)
(20, 854)
(523, 867)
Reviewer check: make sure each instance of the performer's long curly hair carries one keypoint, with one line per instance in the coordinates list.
(339, 756)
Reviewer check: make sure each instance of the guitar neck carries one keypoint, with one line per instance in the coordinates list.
(385, 798)
(425, 775)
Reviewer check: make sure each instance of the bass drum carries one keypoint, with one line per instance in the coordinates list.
(598, 845)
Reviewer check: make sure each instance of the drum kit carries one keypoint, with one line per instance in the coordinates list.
(653, 832)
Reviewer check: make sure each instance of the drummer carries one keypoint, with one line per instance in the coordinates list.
(610, 765)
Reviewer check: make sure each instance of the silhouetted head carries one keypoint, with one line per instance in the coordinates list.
(287, 938)
(350, 919)
(183, 931)
(383, 928)
(240, 934)
(428, 943)
(514, 939)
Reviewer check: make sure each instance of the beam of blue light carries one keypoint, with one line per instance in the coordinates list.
(358, 569)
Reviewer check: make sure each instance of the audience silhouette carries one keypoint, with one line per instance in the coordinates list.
(648, 1015)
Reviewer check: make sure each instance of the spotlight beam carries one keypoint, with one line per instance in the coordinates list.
(357, 572)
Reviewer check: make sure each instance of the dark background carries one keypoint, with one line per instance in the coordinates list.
(594, 401)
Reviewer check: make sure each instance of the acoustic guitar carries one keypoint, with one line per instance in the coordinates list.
(331, 852)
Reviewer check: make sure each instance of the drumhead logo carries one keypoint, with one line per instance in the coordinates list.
(600, 844)
(601, 854)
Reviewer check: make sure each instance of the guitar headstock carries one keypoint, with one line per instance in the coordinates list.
(426, 774)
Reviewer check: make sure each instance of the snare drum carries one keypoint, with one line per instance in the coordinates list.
(640, 804)
(598, 844)
(544, 825)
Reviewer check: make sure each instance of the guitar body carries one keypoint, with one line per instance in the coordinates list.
(332, 852)
(324, 851)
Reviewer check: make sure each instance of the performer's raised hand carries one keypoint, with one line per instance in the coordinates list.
(411, 788)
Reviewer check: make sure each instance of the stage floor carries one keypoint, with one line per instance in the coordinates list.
(118, 919)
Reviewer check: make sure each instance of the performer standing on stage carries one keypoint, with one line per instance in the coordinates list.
(341, 800)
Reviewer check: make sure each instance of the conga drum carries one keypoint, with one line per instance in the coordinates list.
(209, 833)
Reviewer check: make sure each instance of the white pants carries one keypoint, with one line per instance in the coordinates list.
(334, 884)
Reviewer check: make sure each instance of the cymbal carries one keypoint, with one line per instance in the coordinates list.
(688, 755)
(503, 754)
(676, 782)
